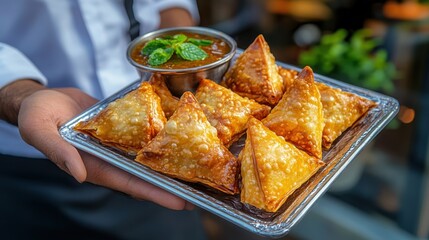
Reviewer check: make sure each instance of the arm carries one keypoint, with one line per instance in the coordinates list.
(166, 13)
(175, 17)
(19, 78)
(12, 95)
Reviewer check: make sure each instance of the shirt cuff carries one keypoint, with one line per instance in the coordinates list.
(14, 65)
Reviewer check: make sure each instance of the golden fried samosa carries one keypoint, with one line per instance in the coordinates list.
(288, 76)
(340, 109)
(168, 101)
(272, 168)
(255, 75)
(188, 148)
(227, 111)
(298, 117)
(129, 122)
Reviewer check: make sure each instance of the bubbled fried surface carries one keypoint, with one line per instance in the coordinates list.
(168, 101)
(188, 148)
(270, 177)
(288, 76)
(255, 75)
(299, 115)
(340, 109)
(128, 123)
(227, 111)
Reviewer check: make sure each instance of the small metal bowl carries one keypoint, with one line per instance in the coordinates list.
(181, 80)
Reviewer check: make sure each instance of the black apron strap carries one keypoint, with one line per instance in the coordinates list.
(134, 30)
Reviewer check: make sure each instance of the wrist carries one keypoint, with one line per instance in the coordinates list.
(12, 95)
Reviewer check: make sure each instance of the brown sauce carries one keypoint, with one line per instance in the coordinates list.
(215, 52)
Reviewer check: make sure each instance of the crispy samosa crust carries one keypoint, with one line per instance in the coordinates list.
(340, 109)
(168, 101)
(255, 74)
(269, 177)
(129, 122)
(188, 148)
(227, 111)
(288, 76)
(299, 115)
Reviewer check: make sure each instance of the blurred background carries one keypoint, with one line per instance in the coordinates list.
(380, 45)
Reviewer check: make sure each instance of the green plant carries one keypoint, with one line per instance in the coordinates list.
(357, 60)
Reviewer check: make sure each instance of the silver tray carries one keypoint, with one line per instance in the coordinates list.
(277, 224)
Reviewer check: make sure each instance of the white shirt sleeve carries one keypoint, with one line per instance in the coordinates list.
(14, 65)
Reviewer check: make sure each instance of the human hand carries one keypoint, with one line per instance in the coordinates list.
(40, 116)
(176, 17)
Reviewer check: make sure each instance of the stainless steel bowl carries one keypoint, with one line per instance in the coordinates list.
(181, 80)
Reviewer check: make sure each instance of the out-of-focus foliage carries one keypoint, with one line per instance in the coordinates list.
(356, 59)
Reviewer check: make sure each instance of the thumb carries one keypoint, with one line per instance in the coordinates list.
(64, 155)
(38, 120)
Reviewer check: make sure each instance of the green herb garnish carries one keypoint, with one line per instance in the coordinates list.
(160, 50)
(200, 42)
(191, 52)
(160, 56)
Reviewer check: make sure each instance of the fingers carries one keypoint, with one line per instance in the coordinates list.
(189, 206)
(104, 174)
(61, 153)
(39, 118)
(83, 100)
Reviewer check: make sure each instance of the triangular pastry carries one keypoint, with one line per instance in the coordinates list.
(129, 122)
(288, 76)
(340, 110)
(271, 168)
(255, 75)
(188, 148)
(227, 111)
(168, 101)
(298, 117)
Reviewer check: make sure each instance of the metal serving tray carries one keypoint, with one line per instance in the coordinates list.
(277, 224)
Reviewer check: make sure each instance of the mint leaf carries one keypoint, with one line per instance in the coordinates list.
(191, 52)
(200, 42)
(180, 38)
(160, 56)
(153, 45)
(160, 50)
